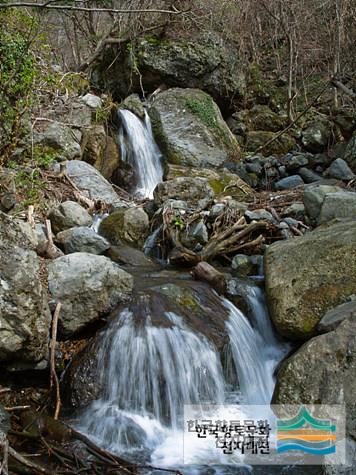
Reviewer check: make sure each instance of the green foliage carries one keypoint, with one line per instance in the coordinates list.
(178, 223)
(204, 109)
(30, 186)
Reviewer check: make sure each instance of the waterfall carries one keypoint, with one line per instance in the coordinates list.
(152, 371)
(139, 149)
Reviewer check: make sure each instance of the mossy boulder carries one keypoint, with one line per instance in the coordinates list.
(208, 64)
(130, 225)
(222, 182)
(323, 371)
(255, 139)
(309, 275)
(134, 104)
(190, 130)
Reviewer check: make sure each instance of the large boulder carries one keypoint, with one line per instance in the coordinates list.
(316, 136)
(129, 226)
(313, 198)
(323, 371)
(90, 181)
(338, 205)
(256, 139)
(308, 275)
(196, 192)
(61, 138)
(190, 130)
(67, 215)
(88, 287)
(94, 145)
(24, 312)
(206, 63)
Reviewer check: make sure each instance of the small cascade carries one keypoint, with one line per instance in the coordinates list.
(153, 370)
(151, 373)
(139, 149)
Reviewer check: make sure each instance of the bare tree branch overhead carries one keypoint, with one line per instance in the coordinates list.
(49, 5)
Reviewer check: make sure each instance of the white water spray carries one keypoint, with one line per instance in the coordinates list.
(139, 149)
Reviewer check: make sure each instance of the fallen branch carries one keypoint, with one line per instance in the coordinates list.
(54, 377)
(51, 251)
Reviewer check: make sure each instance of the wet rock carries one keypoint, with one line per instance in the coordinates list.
(68, 215)
(134, 104)
(305, 277)
(129, 225)
(92, 101)
(130, 256)
(338, 205)
(323, 371)
(308, 175)
(24, 312)
(289, 182)
(313, 198)
(82, 239)
(60, 138)
(190, 130)
(316, 137)
(245, 265)
(340, 170)
(109, 161)
(91, 182)
(333, 317)
(195, 191)
(88, 286)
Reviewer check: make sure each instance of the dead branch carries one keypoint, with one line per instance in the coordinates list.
(343, 88)
(51, 252)
(207, 273)
(23, 461)
(54, 377)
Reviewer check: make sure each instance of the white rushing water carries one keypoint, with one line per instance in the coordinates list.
(151, 372)
(139, 149)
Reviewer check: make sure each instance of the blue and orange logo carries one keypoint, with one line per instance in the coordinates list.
(307, 434)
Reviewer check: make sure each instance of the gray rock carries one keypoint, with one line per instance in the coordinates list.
(82, 239)
(88, 286)
(90, 181)
(92, 101)
(340, 170)
(338, 205)
(323, 371)
(134, 104)
(289, 182)
(350, 153)
(129, 226)
(68, 215)
(195, 191)
(254, 167)
(306, 276)
(293, 162)
(179, 205)
(24, 312)
(190, 130)
(308, 175)
(313, 198)
(61, 138)
(258, 215)
(316, 137)
(336, 315)
(296, 210)
(216, 210)
(199, 232)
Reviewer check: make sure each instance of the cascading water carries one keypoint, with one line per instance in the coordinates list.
(152, 371)
(139, 149)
